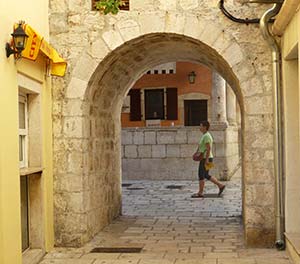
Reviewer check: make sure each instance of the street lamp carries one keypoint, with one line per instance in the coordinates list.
(192, 77)
(19, 41)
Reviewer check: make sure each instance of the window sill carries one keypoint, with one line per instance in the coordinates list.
(30, 170)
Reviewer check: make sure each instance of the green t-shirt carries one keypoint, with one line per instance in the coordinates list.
(206, 138)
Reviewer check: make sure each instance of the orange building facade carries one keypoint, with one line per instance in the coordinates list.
(179, 100)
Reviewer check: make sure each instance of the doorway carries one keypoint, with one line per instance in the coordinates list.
(195, 111)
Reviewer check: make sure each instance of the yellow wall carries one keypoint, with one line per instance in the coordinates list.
(291, 96)
(35, 13)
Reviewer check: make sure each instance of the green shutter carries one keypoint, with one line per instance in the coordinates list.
(135, 105)
(172, 104)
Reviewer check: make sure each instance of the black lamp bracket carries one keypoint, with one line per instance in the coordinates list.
(9, 50)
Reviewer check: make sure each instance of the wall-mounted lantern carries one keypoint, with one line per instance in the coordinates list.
(19, 42)
(192, 77)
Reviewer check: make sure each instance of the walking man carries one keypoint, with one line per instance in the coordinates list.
(205, 148)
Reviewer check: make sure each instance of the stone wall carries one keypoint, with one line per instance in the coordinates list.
(106, 55)
(165, 153)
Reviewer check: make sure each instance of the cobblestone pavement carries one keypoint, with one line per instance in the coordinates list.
(172, 228)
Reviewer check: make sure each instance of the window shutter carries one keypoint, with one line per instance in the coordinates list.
(172, 104)
(135, 105)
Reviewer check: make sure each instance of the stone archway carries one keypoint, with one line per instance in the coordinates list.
(87, 179)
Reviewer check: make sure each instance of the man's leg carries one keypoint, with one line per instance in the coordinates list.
(216, 182)
(201, 186)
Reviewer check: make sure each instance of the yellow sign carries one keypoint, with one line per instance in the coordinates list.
(35, 44)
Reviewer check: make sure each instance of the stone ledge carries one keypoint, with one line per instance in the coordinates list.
(293, 245)
(32, 256)
(30, 170)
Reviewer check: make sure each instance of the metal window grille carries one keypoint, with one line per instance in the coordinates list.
(123, 7)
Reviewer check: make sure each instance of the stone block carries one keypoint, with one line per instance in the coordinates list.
(73, 107)
(189, 4)
(148, 165)
(233, 54)
(175, 22)
(131, 151)
(98, 49)
(76, 88)
(131, 165)
(187, 151)
(76, 162)
(73, 127)
(220, 150)
(144, 151)
(260, 195)
(181, 137)
(112, 39)
(150, 137)
(152, 22)
(127, 137)
(218, 136)
(258, 172)
(138, 138)
(211, 33)
(265, 140)
(122, 152)
(58, 6)
(232, 149)
(193, 26)
(269, 155)
(159, 151)
(58, 23)
(173, 151)
(259, 105)
(69, 183)
(167, 5)
(193, 137)
(129, 29)
(259, 123)
(253, 86)
(142, 5)
(260, 237)
(84, 68)
(166, 137)
(232, 136)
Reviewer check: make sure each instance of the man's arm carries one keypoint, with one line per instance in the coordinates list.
(207, 145)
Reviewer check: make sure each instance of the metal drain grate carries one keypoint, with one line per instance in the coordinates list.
(135, 188)
(174, 187)
(126, 184)
(116, 250)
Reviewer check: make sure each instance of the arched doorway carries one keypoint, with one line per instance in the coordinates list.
(93, 132)
(160, 130)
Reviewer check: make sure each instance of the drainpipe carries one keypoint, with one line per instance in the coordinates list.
(278, 141)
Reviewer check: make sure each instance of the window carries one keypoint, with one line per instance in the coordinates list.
(23, 131)
(125, 5)
(154, 104)
(194, 112)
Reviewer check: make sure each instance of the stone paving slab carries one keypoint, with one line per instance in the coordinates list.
(67, 261)
(173, 228)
